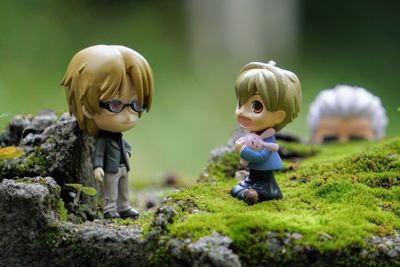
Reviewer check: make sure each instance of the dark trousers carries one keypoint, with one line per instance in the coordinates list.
(261, 181)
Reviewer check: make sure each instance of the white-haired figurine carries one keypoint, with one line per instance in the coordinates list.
(346, 113)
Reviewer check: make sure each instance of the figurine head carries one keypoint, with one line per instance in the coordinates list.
(268, 97)
(345, 113)
(108, 87)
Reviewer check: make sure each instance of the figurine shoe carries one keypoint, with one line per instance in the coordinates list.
(129, 213)
(239, 189)
(111, 215)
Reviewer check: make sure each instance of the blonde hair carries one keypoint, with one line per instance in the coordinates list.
(278, 88)
(100, 72)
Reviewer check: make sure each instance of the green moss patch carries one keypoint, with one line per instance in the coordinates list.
(333, 200)
(26, 166)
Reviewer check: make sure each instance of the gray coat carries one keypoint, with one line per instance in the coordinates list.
(107, 154)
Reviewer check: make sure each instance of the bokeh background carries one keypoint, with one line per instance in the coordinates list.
(196, 48)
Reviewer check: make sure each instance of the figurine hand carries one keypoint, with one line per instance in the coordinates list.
(272, 146)
(99, 174)
(239, 144)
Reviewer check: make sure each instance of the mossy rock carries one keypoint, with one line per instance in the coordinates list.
(340, 208)
(334, 203)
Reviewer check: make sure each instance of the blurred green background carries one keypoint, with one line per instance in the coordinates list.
(196, 49)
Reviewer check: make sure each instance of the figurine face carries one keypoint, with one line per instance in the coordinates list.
(117, 122)
(335, 128)
(253, 116)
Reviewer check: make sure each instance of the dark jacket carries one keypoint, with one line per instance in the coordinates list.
(107, 153)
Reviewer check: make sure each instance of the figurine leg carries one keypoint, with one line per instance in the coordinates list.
(123, 207)
(111, 194)
(123, 191)
(239, 190)
(265, 185)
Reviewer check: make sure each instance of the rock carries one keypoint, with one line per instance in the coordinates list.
(32, 233)
(213, 251)
(52, 146)
(13, 132)
(27, 208)
(241, 175)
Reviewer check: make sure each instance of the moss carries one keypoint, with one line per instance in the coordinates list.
(222, 169)
(48, 239)
(31, 165)
(125, 222)
(296, 150)
(62, 211)
(160, 258)
(33, 161)
(335, 200)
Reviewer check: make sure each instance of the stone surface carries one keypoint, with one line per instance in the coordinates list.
(26, 209)
(60, 148)
(32, 233)
(51, 146)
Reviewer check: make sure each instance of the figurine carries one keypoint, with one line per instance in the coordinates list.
(346, 113)
(108, 87)
(268, 99)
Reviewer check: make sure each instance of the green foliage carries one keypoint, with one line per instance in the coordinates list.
(90, 191)
(335, 200)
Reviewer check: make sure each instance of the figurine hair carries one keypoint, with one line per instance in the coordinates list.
(100, 72)
(347, 101)
(278, 88)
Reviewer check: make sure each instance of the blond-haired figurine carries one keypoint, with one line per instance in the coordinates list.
(345, 113)
(107, 89)
(268, 97)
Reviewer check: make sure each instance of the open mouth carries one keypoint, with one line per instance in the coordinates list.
(244, 121)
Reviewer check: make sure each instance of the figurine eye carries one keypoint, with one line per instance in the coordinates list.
(257, 106)
(116, 105)
(136, 107)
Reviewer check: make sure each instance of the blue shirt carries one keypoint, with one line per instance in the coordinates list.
(263, 160)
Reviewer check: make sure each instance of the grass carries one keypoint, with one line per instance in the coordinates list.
(335, 200)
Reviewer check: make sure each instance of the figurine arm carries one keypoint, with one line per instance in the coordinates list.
(254, 156)
(271, 146)
(127, 147)
(98, 159)
(239, 144)
(98, 155)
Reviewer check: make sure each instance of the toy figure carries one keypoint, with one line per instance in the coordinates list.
(255, 142)
(107, 88)
(346, 113)
(268, 99)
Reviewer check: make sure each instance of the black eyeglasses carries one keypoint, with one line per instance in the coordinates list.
(116, 106)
